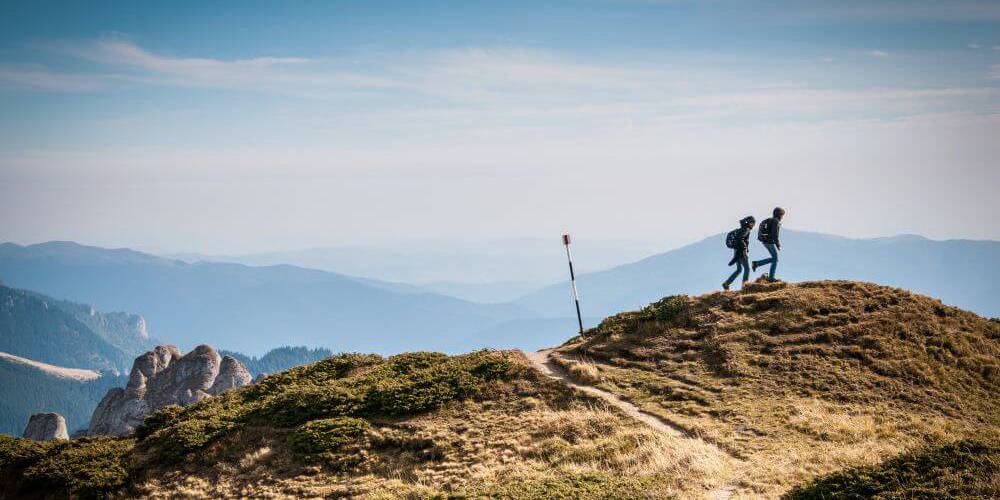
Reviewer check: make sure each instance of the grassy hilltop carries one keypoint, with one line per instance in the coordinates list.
(812, 390)
(801, 380)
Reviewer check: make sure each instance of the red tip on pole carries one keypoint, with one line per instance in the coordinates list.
(565, 239)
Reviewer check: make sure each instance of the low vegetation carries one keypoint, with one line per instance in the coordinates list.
(807, 390)
(964, 469)
(801, 380)
(420, 425)
(89, 467)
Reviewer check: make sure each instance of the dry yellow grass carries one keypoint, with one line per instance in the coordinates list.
(545, 435)
(801, 380)
(780, 384)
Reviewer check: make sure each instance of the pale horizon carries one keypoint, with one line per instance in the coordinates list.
(242, 129)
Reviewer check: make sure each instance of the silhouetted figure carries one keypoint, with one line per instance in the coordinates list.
(768, 235)
(739, 241)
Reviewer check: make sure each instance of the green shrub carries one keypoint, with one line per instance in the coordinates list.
(964, 469)
(88, 467)
(190, 435)
(671, 309)
(327, 436)
(406, 363)
(159, 419)
(16, 452)
(420, 391)
(304, 403)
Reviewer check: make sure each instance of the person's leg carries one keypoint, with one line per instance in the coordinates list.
(732, 277)
(746, 268)
(761, 262)
(773, 250)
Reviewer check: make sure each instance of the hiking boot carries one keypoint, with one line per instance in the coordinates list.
(725, 286)
(753, 265)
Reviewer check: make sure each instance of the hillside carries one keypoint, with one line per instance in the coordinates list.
(799, 380)
(959, 272)
(29, 387)
(51, 331)
(77, 374)
(480, 425)
(250, 309)
(809, 389)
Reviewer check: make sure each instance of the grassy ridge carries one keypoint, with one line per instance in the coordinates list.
(964, 469)
(345, 388)
(803, 379)
(792, 382)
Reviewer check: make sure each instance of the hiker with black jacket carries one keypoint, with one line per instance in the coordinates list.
(739, 240)
(768, 235)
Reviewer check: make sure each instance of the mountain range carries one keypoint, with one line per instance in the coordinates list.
(253, 309)
(497, 270)
(250, 309)
(959, 272)
(63, 357)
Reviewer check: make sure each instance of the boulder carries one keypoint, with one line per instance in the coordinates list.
(46, 427)
(232, 374)
(163, 377)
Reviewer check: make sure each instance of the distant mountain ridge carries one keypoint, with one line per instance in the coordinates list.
(279, 359)
(72, 335)
(960, 272)
(248, 309)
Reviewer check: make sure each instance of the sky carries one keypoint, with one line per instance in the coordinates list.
(239, 127)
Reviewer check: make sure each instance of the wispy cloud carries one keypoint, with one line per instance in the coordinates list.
(40, 78)
(476, 88)
(296, 75)
(974, 46)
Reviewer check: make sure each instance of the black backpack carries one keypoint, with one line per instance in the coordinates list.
(731, 238)
(733, 235)
(766, 232)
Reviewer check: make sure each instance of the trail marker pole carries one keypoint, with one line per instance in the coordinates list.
(572, 281)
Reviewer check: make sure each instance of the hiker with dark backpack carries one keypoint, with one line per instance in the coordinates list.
(768, 235)
(739, 240)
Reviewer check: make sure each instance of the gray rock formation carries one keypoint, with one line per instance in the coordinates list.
(232, 374)
(46, 427)
(163, 377)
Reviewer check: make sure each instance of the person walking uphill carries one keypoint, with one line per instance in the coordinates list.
(739, 241)
(768, 235)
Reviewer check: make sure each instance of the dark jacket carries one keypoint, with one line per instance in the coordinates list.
(771, 237)
(742, 246)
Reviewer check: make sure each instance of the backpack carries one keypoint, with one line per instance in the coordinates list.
(731, 238)
(766, 232)
(734, 235)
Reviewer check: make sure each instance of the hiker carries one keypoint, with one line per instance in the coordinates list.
(739, 241)
(768, 235)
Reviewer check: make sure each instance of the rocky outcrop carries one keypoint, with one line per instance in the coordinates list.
(232, 374)
(163, 377)
(46, 427)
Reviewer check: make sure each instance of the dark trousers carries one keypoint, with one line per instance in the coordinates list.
(773, 260)
(742, 264)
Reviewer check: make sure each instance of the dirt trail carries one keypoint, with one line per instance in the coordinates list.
(543, 362)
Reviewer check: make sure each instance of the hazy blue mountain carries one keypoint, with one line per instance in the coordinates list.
(484, 292)
(250, 309)
(485, 271)
(279, 359)
(70, 335)
(25, 389)
(959, 272)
